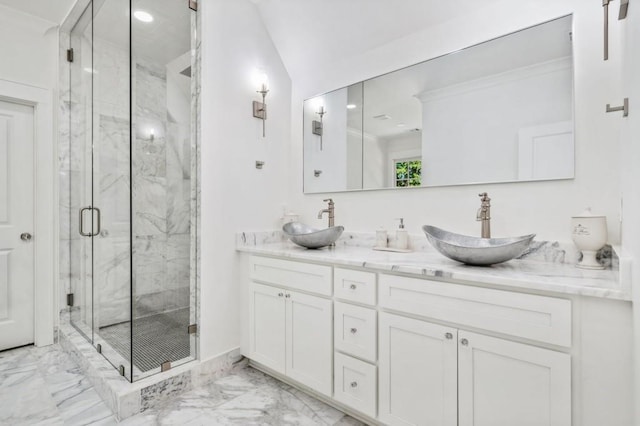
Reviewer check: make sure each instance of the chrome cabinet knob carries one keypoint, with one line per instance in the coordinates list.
(449, 336)
(287, 295)
(354, 384)
(353, 287)
(354, 330)
(25, 236)
(464, 342)
(280, 294)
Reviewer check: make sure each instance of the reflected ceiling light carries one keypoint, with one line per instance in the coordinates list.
(143, 16)
(382, 117)
(400, 125)
(351, 106)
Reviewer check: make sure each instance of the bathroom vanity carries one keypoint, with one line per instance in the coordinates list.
(417, 339)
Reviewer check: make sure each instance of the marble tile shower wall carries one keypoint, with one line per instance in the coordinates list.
(161, 185)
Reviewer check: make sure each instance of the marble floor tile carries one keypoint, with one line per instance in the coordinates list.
(44, 386)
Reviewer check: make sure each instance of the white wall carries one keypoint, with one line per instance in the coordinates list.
(470, 130)
(28, 48)
(235, 195)
(331, 159)
(374, 161)
(630, 177)
(548, 205)
(29, 55)
(355, 141)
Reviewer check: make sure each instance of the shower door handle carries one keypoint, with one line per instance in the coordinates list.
(81, 222)
(98, 222)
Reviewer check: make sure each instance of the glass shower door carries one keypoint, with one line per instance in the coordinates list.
(163, 201)
(80, 185)
(100, 78)
(132, 184)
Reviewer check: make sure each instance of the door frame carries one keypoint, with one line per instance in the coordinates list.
(45, 230)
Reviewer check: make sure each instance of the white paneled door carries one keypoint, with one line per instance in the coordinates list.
(16, 225)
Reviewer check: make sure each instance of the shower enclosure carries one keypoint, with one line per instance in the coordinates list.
(132, 182)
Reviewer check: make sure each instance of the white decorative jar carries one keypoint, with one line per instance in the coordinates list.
(589, 233)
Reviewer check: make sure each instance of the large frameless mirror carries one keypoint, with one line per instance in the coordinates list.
(499, 111)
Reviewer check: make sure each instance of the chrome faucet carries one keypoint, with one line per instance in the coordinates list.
(330, 210)
(484, 215)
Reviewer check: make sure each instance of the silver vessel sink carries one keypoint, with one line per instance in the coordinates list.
(306, 236)
(475, 250)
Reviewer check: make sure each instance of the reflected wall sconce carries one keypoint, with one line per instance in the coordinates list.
(260, 108)
(317, 127)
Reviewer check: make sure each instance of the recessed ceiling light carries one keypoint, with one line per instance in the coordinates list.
(351, 106)
(143, 16)
(382, 117)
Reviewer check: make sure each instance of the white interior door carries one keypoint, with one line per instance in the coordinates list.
(16, 221)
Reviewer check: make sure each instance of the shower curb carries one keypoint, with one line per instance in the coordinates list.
(126, 399)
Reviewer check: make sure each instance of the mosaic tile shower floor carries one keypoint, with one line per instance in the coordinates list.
(156, 339)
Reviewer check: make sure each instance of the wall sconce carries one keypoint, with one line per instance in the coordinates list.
(260, 108)
(317, 125)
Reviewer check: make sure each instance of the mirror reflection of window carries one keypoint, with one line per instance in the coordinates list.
(407, 172)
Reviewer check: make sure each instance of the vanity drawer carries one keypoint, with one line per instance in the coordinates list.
(356, 384)
(355, 286)
(546, 319)
(355, 330)
(296, 275)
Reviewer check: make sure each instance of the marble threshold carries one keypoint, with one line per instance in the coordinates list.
(534, 273)
(126, 399)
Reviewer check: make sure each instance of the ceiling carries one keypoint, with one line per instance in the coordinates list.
(51, 10)
(163, 40)
(307, 32)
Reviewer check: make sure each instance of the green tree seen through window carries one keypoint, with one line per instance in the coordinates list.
(408, 173)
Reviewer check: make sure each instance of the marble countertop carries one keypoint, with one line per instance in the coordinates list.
(561, 278)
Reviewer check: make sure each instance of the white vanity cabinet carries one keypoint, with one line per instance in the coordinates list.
(290, 331)
(395, 349)
(503, 383)
(355, 340)
(436, 375)
(418, 372)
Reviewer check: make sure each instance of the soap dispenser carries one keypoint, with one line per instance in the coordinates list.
(402, 238)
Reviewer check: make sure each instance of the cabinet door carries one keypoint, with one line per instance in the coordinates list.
(502, 383)
(418, 372)
(310, 341)
(267, 326)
